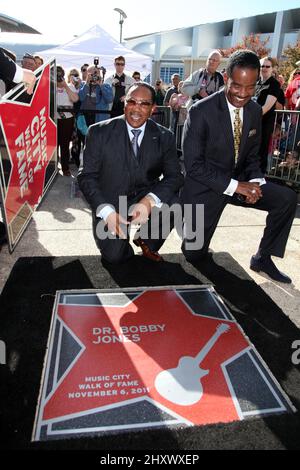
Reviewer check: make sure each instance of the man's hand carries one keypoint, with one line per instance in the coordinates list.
(142, 210)
(29, 80)
(113, 222)
(251, 191)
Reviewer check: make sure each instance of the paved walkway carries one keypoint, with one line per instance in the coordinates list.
(62, 227)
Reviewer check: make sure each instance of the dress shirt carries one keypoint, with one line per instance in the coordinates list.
(18, 75)
(231, 188)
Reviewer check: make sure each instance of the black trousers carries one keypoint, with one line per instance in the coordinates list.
(279, 201)
(116, 250)
(64, 136)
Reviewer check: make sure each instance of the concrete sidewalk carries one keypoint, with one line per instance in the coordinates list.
(62, 227)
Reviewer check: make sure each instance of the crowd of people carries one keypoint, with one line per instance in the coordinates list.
(227, 127)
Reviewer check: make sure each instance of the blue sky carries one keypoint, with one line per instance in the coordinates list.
(64, 18)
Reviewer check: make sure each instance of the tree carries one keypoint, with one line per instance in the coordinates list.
(252, 42)
(290, 56)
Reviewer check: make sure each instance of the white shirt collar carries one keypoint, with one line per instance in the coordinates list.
(142, 128)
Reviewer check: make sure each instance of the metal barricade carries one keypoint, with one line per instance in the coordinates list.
(283, 159)
(179, 128)
(162, 115)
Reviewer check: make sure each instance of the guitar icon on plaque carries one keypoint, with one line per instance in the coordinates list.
(182, 384)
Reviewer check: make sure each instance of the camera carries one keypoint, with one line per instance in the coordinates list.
(94, 79)
(96, 61)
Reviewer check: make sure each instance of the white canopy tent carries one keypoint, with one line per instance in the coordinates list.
(97, 43)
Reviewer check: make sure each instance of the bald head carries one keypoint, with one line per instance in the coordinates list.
(213, 61)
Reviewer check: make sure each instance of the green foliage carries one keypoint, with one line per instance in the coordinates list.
(290, 56)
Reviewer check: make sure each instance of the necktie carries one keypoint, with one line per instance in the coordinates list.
(134, 142)
(237, 132)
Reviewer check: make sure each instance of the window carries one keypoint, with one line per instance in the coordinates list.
(167, 71)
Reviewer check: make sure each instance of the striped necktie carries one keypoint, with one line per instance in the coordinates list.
(237, 132)
(134, 142)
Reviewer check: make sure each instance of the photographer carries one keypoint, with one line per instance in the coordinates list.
(66, 95)
(120, 83)
(95, 95)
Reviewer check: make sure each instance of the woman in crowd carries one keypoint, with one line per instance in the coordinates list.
(77, 137)
(267, 94)
(292, 93)
(66, 95)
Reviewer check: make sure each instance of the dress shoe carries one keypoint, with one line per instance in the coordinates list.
(147, 253)
(266, 265)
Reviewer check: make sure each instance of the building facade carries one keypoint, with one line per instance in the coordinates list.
(185, 50)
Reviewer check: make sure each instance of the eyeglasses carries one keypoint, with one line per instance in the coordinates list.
(120, 63)
(266, 66)
(83, 70)
(142, 103)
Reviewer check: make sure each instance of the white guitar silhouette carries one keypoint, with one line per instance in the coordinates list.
(181, 385)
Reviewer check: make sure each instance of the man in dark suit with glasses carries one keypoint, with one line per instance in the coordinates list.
(130, 156)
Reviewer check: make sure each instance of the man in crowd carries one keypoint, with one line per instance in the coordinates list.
(220, 145)
(28, 62)
(129, 156)
(205, 81)
(120, 83)
(84, 72)
(136, 76)
(175, 79)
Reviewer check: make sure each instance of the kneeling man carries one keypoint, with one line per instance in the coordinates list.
(221, 144)
(129, 162)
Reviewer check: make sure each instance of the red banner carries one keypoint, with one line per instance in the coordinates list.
(28, 151)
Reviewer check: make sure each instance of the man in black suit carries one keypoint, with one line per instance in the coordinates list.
(130, 156)
(12, 72)
(220, 144)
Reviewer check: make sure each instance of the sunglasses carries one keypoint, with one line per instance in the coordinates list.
(266, 66)
(142, 103)
(28, 56)
(83, 70)
(120, 63)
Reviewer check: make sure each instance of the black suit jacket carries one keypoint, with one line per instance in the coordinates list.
(110, 169)
(7, 67)
(208, 147)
